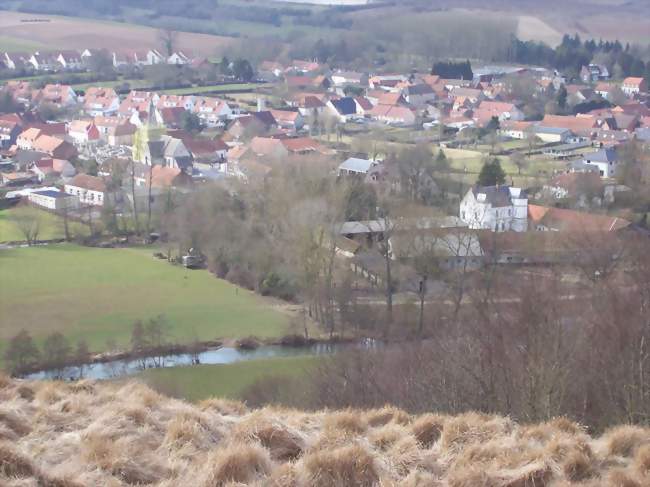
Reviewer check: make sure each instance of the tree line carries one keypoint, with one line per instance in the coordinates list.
(573, 53)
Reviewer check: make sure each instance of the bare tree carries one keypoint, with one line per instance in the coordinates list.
(134, 198)
(21, 353)
(56, 353)
(168, 38)
(28, 220)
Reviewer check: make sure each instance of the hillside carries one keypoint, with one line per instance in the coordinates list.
(91, 434)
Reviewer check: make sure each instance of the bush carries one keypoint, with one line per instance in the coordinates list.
(242, 277)
(277, 286)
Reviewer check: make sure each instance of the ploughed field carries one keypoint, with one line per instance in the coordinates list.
(21, 31)
(108, 434)
(97, 294)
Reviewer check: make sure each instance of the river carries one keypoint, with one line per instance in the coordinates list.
(223, 355)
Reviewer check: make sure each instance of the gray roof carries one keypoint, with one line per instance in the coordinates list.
(354, 164)
(28, 156)
(52, 194)
(602, 155)
(579, 165)
(156, 149)
(421, 89)
(643, 134)
(539, 129)
(497, 196)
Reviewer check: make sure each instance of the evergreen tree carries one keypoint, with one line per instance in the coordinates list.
(561, 97)
(441, 162)
(491, 173)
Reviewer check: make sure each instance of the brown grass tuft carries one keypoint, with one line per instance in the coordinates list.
(642, 460)
(14, 422)
(472, 477)
(578, 465)
(471, 428)
(282, 442)
(343, 467)
(621, 478)
(134, 472)
(284, 475)
(50, 392)
(348, 421)
(385, 415)
(99, 450)
(47, 481)
(137, 414)
(383, 438)
(226, 407)
(13, 463)
(405, 455)
(82, 386)
(428, 428)
(237, 463)
(25, 392)
(420, 479)
(624, 440)
(565, 425)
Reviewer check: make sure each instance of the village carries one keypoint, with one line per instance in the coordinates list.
(104, 149)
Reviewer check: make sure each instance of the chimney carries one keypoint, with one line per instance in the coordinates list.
(261, 104)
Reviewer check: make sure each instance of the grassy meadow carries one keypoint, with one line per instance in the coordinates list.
(51, 226)
(203, 381)
(97, 294)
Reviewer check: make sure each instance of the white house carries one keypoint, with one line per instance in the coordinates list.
(606, 160)
(83, 132)
(633, 86)
(91, 190)
(52, 200)
(551, 134)
(355, 167)
(70, 59)
(178, 58)
(212, 111)
(154, 57)
(419, 95)
(344, 78)
(496, 208)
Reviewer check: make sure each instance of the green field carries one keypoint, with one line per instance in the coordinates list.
(204, 381)
(97, 294)
(50, 226)
(197, 90)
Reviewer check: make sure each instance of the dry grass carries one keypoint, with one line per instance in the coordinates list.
(118, 435)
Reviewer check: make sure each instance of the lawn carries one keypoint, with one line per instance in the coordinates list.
(97, 294)
(134, 84)
(197, 90)
(51, 226)
(204, 381)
